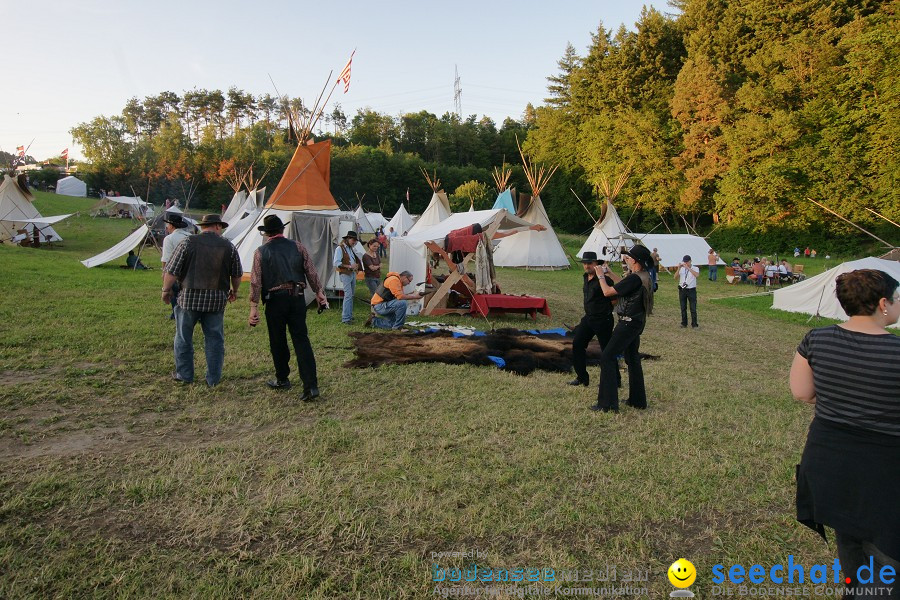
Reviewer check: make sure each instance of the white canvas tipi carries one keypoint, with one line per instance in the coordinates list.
(608, 235)
(17, 212)
(533, 249)
(438, 209)
(402, 222)
(362, 221)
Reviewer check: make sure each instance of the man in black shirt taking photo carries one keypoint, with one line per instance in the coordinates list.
(597, 320)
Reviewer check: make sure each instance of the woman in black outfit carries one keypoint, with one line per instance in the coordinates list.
(635, 302)
(849, 476)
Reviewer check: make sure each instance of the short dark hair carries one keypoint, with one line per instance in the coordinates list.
(860, 291)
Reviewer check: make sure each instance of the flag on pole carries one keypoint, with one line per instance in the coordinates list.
(345, 74)
(64, 154)
(20, 151)
(20, 156)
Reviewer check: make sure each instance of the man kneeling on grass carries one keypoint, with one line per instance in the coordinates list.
(389, 301)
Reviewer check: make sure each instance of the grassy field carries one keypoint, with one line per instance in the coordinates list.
(117, 483)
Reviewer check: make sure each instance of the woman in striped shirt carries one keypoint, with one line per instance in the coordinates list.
(849, 476)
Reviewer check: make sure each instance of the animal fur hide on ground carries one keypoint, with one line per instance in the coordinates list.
(523, 352)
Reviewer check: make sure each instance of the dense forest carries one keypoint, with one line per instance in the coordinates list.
(730, 116)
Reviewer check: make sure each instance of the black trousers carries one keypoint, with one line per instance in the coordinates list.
(625, 340)
(685, 296)
(585, 331)
(289, 312)
(854, 553)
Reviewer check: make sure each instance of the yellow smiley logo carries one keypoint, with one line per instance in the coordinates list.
(682, 573)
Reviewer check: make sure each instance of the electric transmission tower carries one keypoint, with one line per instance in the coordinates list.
(457, 94)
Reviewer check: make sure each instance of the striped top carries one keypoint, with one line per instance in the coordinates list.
(856, 376)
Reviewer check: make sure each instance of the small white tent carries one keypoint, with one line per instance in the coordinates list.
(377, 220)
(246, 215)
(401, 221)
(71, 186)
(816, 295)
(17, 212)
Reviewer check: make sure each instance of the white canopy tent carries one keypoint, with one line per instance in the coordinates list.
(402, 222)
(532, 249)
(135, 238)
(17, 211)
(816, 295)
(438, 210)
(71, 186)
(133, 205)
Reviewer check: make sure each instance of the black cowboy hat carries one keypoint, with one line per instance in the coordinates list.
(272, 224)
(351, 234)
(641, 255)
(210, 220)
(175, 220)
(589, 257)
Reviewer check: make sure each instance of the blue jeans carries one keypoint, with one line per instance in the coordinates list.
(391, 314)
(713, 272)
(213, 325)
(348, 281)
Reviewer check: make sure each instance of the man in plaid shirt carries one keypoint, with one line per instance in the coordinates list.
(209, 270)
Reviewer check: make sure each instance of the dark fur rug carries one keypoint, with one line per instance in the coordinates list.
(523, 352)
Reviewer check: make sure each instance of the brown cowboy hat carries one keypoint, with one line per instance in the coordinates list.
(352, 235)
(210, 220)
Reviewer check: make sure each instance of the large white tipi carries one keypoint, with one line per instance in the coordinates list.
(609, 233)
(533, 249)
(17, 212)
(438, 209)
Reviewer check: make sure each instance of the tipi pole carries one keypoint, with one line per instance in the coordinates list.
(883, 217)
(852, 223)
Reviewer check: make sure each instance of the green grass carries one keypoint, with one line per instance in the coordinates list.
(116, 483)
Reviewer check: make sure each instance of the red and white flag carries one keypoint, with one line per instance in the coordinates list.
(65, 154)
(20, 151)
(345, 74)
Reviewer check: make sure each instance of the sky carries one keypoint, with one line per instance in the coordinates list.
(81, 59)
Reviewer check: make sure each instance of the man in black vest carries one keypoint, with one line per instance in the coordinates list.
(597, 320)
(281, 270)
(204, 265)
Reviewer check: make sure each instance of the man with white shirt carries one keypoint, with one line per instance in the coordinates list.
(687, 289)
(176, 230)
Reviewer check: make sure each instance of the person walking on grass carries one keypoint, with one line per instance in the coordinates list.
(687, 289)
(281, 270)
(206, 266)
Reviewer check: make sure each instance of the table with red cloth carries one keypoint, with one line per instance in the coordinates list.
(485, 304)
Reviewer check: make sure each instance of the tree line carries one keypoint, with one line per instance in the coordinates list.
(728, 114)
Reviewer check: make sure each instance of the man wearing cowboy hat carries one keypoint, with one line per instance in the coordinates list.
(348, 263)
(205, 265)
(597, 319)
(176, 231)
(281, 269)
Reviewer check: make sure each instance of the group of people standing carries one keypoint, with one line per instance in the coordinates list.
(631, 299)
